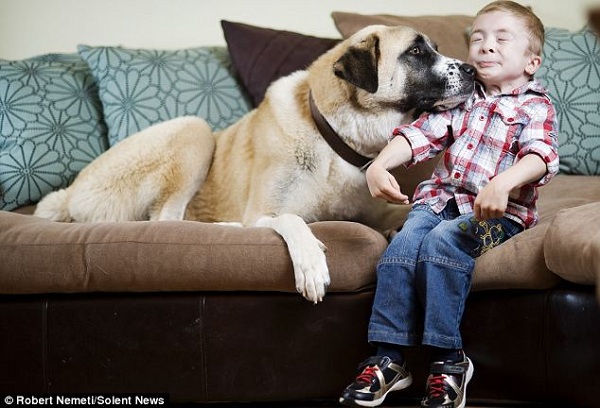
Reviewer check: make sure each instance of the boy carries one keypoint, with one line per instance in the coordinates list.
(501, 144)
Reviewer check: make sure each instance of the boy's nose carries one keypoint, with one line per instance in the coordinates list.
(487, 46)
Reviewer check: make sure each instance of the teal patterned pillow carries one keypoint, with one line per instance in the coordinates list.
(51, 125)
(571, 73)
(139, 88)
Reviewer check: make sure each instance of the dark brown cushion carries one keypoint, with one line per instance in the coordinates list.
(262, 55)
(448, 32)
(41, 256)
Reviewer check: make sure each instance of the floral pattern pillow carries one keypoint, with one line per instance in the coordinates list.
(141, 87)
(51, 125)
(571, 73)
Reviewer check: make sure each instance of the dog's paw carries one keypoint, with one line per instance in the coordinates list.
(311, 273)
(306, 252)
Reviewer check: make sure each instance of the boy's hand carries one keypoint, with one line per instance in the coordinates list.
(492, 200)
(383, 185)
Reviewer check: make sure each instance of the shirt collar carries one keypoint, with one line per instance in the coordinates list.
(532, 86)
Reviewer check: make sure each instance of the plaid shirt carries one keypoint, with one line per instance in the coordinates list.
(483, 137)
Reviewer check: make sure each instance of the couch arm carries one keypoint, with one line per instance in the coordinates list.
(572, 244)
(40, 256)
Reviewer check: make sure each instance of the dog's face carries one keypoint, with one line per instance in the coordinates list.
(400, 68)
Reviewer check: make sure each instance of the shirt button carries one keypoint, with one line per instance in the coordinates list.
(470, 146)
(482, 117)
(456, 175)
(510, 120)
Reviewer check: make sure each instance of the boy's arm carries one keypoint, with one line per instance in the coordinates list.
(492, 200)
(381, 182)
(537, 164)
(422, 139)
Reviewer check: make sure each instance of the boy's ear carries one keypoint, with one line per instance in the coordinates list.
(535, 61)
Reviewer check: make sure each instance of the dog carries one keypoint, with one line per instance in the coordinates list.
(279, 165)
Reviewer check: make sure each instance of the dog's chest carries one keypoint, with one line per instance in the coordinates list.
(305, 158)
(319, 189)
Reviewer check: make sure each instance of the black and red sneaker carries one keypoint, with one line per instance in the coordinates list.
(378, 376)
(447, 384)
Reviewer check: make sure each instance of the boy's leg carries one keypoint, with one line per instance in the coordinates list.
(396, 318)
(444, 272)
(397, 314)
(445, 268)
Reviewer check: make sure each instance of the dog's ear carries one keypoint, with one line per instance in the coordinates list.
(359, 63)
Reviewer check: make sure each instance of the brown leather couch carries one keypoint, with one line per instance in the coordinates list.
(537, 346)
(208, 313)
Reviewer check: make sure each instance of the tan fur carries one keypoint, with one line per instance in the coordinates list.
(272, 168)
(149, 175)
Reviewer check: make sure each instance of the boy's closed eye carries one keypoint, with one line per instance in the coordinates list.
(504, 38)
(476, 37)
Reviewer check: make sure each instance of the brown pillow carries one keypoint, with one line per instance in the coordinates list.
(262, 55)
(448, 32)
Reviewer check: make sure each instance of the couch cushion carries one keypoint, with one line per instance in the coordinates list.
(520, 262)
(133, 256)
(262, 55)
(572, 245)
(40, 256)
(516, 264)
(51, 125)
(141, 87)
(567, 191)
(448, 32)
(571, 72)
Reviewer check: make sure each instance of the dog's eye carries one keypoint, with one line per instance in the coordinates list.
(415, 50)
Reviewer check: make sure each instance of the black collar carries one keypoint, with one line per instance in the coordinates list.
(334, 140)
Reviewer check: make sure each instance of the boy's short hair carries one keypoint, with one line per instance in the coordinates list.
(532, 22)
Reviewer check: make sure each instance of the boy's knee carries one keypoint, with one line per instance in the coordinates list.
(446, 240)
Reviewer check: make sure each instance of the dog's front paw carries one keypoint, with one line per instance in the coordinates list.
(306, 251)
(311, 273)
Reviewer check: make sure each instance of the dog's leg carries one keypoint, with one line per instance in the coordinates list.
(174, 206)
(173, 209)
(306, 251)
(193, 144)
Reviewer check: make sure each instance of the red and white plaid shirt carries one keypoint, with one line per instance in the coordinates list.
(485, 136)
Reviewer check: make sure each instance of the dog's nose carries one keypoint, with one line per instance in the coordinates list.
(467, 69)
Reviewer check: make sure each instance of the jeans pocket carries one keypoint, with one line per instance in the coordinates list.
(491, 233)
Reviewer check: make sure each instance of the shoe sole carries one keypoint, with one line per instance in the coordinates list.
(400, 385)
(470, 372)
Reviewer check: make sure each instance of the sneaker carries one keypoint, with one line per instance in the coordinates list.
(378, 377)
(447, 384)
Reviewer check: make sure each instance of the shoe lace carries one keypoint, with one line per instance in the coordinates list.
(437, 386)
(367, 375)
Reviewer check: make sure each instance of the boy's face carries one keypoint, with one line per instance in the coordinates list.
(499, 49)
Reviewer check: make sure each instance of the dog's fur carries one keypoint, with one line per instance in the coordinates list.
(273, 168)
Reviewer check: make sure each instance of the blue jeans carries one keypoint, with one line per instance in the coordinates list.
(424, 276)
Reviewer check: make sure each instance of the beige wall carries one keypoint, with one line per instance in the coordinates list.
(32, 27)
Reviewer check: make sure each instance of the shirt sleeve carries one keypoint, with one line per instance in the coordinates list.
(427, 136)
(540, 137)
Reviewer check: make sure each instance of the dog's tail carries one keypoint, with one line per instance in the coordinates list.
(54, 207)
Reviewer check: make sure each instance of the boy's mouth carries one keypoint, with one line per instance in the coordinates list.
(486, 64)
